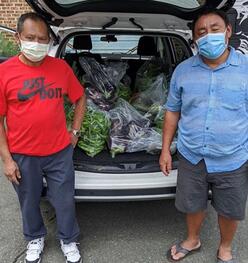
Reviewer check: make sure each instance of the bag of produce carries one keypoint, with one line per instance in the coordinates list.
(146, 139)
(159, 119)
(130, 131)
(148, 73)
(125, 122)
(115, 71)
(98, 84)
(150, 101)
(94, 130)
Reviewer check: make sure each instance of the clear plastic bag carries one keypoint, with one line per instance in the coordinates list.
(173, 147)
(126, 121)
(148, 73)
(124, 88)
(116, 71)
(146, 139)
(124, 114)
(150, 101)
(130, 131)
(159, 119)
(99, 86)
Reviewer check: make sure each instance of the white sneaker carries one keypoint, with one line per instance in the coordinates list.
(34, 250)
(71, 252)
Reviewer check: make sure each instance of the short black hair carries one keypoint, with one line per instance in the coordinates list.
(217, 12)
(32, 16)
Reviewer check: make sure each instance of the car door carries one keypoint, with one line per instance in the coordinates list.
(8, 45)
(125, 14)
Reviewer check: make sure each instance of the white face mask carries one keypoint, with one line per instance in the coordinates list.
(34, 51)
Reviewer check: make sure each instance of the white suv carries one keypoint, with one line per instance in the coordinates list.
(134, 32)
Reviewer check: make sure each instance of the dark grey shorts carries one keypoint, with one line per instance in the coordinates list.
(229, 189)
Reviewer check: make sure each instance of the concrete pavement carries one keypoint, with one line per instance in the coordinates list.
(132, 232)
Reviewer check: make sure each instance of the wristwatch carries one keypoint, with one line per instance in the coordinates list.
(76, 133)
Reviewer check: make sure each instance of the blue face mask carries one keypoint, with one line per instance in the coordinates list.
(212, 45)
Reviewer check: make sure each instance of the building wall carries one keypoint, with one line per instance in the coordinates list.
(10, 11)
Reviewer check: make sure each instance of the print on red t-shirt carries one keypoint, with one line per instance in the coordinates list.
(37, 86)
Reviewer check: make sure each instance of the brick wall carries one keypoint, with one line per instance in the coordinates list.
(10, 10)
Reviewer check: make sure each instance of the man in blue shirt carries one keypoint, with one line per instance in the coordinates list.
(208, 102)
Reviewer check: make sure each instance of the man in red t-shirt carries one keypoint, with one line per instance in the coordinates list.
(36, 142)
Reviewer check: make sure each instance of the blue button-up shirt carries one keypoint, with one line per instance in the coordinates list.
(214, 111)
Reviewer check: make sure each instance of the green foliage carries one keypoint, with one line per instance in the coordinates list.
(7, 47)
(94, 131)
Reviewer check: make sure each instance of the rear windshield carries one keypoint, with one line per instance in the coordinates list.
(122, 44)
(179, 3)
(134, 47)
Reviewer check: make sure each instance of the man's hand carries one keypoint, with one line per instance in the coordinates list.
(11, 171)
(74, 140)
(165, 162)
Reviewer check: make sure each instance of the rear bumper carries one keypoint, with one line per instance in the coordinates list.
(124, 187)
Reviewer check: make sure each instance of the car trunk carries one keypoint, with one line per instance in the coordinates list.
(96, 13)
(136, 51)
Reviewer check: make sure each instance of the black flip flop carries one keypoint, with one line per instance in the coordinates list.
(180, 249)
(225, 261)
(219, 260)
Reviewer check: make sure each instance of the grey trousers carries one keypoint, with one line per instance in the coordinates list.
(59, 173)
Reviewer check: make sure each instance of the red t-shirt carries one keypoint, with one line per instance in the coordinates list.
(31, 98)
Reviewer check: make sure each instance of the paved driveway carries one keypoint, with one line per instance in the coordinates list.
(134, 232)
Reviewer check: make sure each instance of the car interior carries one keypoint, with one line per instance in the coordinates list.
(164, 52)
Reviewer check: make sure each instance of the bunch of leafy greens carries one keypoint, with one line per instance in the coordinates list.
(124, 91)
(148, 73)
(150, 101)
(94, 131)
(69, 112)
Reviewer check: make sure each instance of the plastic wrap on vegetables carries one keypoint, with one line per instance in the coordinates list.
(126, 121)
(99, 87)
(148, 73)
(147, 139)
(124, 92)
(159, 119)
(94, 131)
(131, 132)
(173, 147)
(124, 88)
(150, 101)
(116, 71)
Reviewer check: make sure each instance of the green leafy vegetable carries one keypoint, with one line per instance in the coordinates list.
(94, 131)
(69, 112)
(124, 92)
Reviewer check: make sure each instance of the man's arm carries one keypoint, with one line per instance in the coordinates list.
(169, 129)
(10, 167)
(78, 117)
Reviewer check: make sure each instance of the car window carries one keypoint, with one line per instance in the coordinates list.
(180, 50)
(180, 3)
(123, 45)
